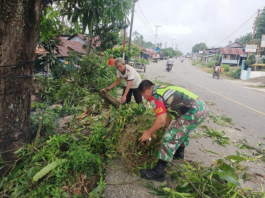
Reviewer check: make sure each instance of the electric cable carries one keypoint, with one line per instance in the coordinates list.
(235, 30)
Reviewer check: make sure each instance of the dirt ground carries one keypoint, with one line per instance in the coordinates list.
(122, 184)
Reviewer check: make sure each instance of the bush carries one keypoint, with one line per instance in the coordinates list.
(141, 60)
(226, 68)
(210, 64)
(236, 73)
(49, 119)
(217, 58)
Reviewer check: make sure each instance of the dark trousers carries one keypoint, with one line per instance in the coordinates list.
(136, 94)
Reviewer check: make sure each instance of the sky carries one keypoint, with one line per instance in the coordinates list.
(187, 22)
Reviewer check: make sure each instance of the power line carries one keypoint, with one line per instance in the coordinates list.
(141, 12)
(235, 30)
(144, 23)
(144, 14)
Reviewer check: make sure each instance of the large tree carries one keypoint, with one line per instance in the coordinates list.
(199, 47)
(92, 11)
(19, 23)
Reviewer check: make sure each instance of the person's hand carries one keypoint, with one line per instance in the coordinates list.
(123, 99)
(146, 135)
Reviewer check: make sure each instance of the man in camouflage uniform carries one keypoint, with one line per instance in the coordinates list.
(187, 112)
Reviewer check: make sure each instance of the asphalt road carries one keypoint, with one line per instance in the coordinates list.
(246, 107)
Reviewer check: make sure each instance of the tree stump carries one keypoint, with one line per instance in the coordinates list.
(109, 98)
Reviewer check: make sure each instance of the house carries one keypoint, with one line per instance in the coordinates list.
(83, 39)
(68, 43)
(233, 54)
(76, 42)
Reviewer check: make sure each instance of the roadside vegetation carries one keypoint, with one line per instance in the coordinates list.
(228, 71)
(74, 133)
(70, 160)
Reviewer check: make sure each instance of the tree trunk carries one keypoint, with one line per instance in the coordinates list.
(89, 39)
(109, 98)
(19, 22)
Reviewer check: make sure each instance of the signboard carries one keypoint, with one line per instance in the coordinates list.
(251, 48)
(262, 41)
(200, 52)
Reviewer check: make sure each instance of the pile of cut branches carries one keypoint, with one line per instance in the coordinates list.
(222, 179)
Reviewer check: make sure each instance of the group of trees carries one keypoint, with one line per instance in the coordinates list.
(199, 47)
(21, 24)
(139, 40)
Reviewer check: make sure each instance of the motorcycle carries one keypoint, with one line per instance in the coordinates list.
(182, 60)
(169, 67)
(217, 74)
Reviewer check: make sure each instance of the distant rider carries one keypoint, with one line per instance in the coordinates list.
(182, 58)
(216, 67)
(170, 62)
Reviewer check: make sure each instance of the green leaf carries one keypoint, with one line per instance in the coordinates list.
(229, 178)
(235, 158)
(47, 169)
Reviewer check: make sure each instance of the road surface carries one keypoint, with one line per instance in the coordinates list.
(246, 107)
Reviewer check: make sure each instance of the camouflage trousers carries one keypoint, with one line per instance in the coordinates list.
(179, 130)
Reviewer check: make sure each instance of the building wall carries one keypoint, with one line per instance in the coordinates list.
(256, 74)
(253, 74)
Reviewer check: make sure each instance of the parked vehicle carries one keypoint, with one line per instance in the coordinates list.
(216, 74)
(156, 57)
(169, 67)
(140, 66)
(155, 60)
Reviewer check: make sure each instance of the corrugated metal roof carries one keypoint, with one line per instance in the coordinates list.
(234, 45)
(40, 50)
(232, 51)
(63, 51)
(78, 47)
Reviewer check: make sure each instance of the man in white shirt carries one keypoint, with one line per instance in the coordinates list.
(132, 81)
(170, 62)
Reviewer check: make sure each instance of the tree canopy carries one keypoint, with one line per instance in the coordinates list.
(199, 47)
(244, 39)
(260, 26)
(87, 13)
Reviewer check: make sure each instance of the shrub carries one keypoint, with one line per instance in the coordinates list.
(226, 68)
(49, 119)
(217, 57)
(210, 64)
(141, 60)
(236, 73)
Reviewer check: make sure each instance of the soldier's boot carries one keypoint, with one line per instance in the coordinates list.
(157, 173)
(179, 154)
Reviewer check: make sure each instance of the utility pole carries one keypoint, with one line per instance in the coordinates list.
(165, 49)
(254, 29)
(124, 35)
(130, 37)
(157, 26)
(176, 47)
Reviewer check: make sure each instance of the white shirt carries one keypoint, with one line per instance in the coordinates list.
(170, 61)
(130, 75)
(217, 68)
